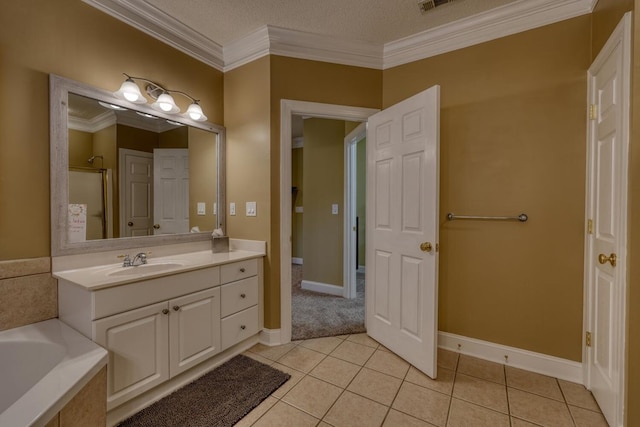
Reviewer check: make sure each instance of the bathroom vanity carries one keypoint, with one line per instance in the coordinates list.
(161, 319)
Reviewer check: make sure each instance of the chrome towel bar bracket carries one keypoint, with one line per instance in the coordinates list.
(522, 217)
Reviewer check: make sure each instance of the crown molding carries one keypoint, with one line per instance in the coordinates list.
(500, 22)
(159, 25)
(104, 120)
(297, 44)
(503, 21)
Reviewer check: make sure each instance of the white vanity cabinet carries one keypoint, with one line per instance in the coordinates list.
(151, 344)
(158, 328)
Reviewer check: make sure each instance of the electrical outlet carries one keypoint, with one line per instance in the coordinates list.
(232, 208)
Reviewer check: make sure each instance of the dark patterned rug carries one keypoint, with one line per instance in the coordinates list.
(220, 398)
(315, 314)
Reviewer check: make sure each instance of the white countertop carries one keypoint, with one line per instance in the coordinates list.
(104, 276)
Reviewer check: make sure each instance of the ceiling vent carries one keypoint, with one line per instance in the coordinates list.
(427, 5)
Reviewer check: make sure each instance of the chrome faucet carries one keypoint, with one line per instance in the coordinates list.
(141, 256)
(128, 262)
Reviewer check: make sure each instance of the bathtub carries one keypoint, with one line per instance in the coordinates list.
(42, 366)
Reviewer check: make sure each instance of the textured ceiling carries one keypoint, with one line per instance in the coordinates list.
(378, 21)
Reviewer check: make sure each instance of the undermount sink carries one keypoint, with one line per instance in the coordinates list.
(145, 269)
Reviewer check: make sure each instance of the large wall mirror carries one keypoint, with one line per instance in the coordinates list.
(125, 176)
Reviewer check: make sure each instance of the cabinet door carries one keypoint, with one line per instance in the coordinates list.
(194, 329)
(137, 341)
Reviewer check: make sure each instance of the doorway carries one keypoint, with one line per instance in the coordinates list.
(288, 110)
(327, 292)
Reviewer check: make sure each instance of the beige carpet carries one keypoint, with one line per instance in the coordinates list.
(315, 315)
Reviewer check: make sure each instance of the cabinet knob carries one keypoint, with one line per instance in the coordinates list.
(243, 327)
(242, 270)
(176, 308)
(165, 311)
(243, 295)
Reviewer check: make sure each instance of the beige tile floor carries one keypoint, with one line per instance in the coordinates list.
(351, 381)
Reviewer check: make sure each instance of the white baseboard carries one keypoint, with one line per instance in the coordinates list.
(324, 288)
(297, 261)
(270, 337)
(518, 358)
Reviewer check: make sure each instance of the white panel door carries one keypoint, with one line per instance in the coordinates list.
(171, 190)
(138, 346)
(194, 329)
(402, 228)
(137, 186)
(605, 256)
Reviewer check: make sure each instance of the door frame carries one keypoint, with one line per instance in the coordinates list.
(621, 36)
(289, 108)
(350, 189)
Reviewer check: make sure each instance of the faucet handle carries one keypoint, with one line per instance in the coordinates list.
(127, 260)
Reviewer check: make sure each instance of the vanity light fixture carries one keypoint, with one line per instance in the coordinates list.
(164, 102)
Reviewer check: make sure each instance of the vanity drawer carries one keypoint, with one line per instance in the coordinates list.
(238, 270)
(239, 295)
(239, 326)
(118, 299)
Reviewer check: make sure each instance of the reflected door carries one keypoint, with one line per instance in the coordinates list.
(171, 190)
(137, 197)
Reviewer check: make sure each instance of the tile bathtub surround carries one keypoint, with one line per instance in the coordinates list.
(28, 299)
(351, 381)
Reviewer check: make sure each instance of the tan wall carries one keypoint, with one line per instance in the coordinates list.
(323, 176)
(512, 140)
(75, 40)
(247, 118)
(80, 148)
(297, 219)
(303, 80)
(605, 17)
(202, 178)
(174, 138)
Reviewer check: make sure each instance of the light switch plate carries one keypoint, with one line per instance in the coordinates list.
(202, 208)
(299, 209)
(334, 209)
(215, 208)
(251, 209)
(232, 208)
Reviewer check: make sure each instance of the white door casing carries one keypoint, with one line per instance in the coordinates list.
(402, 217)
(606, 211)
(171, 190)
(350, 190)
(136, 193)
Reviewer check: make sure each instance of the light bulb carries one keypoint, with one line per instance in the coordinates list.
(130, 91)
(166, 104)
(195, 112)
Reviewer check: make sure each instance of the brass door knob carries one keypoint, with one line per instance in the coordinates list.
(426, 247)
(603, 259)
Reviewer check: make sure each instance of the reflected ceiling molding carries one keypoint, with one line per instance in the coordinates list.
(140, 122)
(502, 21)
(94, 124)
(157, 24)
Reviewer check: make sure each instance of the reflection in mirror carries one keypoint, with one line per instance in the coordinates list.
(156, 176)
(122, 171)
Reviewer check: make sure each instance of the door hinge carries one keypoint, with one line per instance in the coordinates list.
(589, 226)
(587, 339)
(593, 112)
